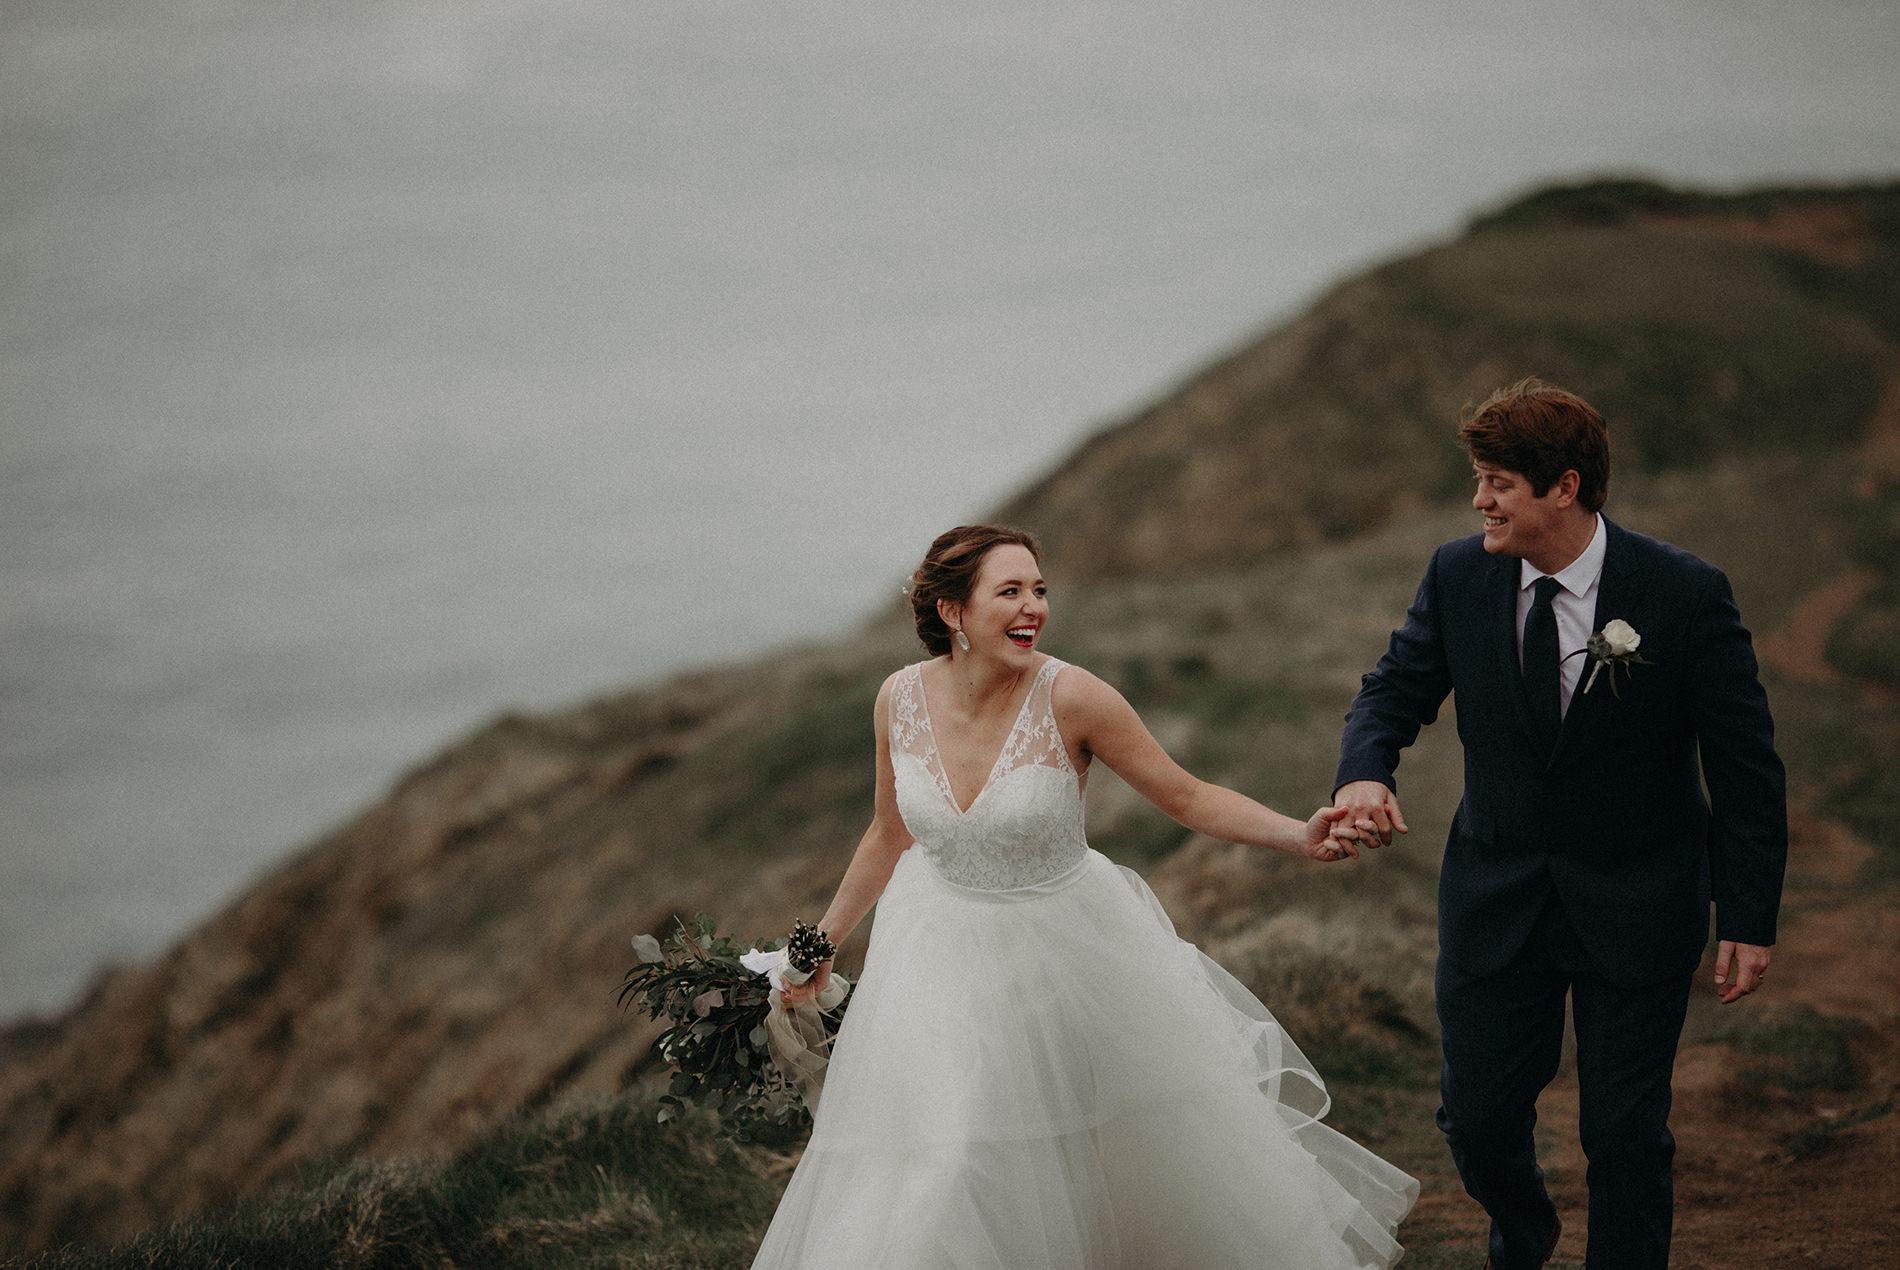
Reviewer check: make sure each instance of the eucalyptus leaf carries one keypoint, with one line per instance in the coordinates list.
(714, 1010)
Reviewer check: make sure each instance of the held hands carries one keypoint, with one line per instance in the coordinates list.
(1372, 813)
(1363, 814)
(1750, 962)
(1326, 837)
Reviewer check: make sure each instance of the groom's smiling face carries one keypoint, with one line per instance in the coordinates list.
(1519, 523)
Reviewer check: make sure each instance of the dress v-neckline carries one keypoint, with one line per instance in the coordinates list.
(949, 789)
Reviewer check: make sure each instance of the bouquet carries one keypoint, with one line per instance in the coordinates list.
(732, 1043)
(804, 949)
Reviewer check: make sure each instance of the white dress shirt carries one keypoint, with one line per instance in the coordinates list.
(1575, 605)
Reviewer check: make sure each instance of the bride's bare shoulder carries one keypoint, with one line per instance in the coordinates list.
(1080, 693)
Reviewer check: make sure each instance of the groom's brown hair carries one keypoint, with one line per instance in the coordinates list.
(1541, 431)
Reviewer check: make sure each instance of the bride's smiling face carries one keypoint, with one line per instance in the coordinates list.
(1009, 605)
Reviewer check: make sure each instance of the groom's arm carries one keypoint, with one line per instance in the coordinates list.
(1748, 802)
(1400, 696)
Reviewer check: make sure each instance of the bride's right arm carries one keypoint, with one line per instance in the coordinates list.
(877, 851)
(1099, 719)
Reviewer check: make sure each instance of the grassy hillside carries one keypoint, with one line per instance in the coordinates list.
(1232, 557)
(592, 1184)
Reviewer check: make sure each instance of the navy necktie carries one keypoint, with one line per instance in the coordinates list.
(1541, 670)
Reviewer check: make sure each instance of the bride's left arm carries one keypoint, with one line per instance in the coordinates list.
(1102, 724)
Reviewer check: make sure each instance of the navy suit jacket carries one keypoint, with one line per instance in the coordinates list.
(1614, 820)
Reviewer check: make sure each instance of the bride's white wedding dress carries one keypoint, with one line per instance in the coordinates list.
(1036, 1072)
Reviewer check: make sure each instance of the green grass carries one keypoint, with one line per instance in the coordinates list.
(1866, 644)
(1798, 1048)
(1848, 756)
(589, 1185)
(1868, 798)
(594, 1185)
(826, 743)
(1345, 1060)
(1874, 536)
(1819, 1136)
(1140, 839)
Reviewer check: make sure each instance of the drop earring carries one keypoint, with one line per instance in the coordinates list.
(963, 641)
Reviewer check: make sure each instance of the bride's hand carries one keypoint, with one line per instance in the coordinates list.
(1328, 837)
(798, 993)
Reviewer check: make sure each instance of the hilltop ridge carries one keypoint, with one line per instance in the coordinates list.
(1705, 325)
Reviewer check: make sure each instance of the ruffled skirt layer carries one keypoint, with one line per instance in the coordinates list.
(1050, 1079)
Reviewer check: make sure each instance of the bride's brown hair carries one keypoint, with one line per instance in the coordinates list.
(949, 573)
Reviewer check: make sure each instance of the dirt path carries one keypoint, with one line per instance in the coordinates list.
(1744, 1197)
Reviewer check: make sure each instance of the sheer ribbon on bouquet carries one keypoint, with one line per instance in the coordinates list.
(796, 1035)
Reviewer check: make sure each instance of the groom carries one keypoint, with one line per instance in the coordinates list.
(1584, 856)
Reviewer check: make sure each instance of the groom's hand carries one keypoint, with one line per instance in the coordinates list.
(1750, 963)
(1372, 811)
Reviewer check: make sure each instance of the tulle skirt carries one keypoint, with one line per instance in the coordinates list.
(1050, 1079)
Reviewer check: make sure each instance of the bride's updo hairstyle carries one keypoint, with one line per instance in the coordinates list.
(949, 573)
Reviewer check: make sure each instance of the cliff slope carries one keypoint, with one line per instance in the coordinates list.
(1232, 556)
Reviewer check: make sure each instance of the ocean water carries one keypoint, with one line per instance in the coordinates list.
(367, 369)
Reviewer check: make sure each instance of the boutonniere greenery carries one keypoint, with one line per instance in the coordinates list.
(1613, 646)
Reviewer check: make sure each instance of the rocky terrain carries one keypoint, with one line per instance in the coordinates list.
(1232, 556)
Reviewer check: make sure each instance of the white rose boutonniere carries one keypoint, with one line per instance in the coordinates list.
(1614, 646)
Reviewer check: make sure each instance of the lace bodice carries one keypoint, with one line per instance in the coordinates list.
(1024, 828)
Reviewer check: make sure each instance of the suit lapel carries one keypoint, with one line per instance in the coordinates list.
(1618, 590)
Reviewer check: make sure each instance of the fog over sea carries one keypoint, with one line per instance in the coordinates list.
(367, 369)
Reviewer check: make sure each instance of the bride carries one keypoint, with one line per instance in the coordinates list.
(1035, 1072)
